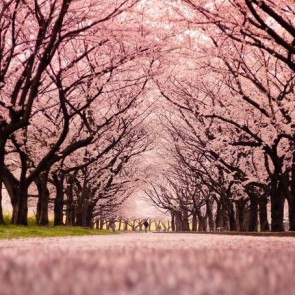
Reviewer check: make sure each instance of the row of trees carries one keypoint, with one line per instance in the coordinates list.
(133, 224)
(77, 88)
(232, 135)
(72, 106)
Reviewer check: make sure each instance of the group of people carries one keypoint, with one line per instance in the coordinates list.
(112, 225)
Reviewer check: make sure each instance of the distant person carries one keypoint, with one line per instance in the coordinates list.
(146, 225)
(112, 225)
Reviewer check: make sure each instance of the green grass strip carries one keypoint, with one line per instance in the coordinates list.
(13, 231)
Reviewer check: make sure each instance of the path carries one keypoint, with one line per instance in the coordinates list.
(148, 264)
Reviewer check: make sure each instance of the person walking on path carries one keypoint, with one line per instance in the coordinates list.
(146, 225)
(112, 225)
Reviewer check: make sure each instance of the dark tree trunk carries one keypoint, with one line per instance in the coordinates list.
(125, 224)
(89, 216)
(120, 224)
(225, 220)
(79, 215)
(291, 209)
(194, 222)
(292, 196)
(11, 184)
(70, 208)
(277, 206)
(20, 209)
(2, 154)
(219, 215)
(178, 222)
(202, 227)
(210, 214)
(288, 184)
(59, 199)
(185, 221)
(253, 218)
(241, 206)
(16, 190)
(1, 210)
(101, 223)
(264, 225)
(232, 217)
(43, 198)
(173, 222)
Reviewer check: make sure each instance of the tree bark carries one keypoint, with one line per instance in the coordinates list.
(292, 196)
(264, 225)
(232, 217)
(59, 199)
(210, 214)
(21, 207)
(43, 198)
(202, 227)
(219, 215)
(70, 208)
(89, 216)
(185, 221)
(125, 224)
(194, 222)
(2, 153)
(253, 218)
(240, 205)
(178, 222)
(277, 206)
(173, 221)
(1, 209)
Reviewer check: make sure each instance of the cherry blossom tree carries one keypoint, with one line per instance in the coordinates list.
(43, 76)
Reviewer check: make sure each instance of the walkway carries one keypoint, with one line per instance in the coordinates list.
(148, 264)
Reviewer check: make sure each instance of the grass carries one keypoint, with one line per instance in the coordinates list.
(9, 231)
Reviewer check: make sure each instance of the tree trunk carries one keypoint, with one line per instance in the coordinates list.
(89, 216)
(2, 154)
(253, 218)
(232, 217)
(277, 206)
(70, 206)
(202, 227)
(194, 222)
(1, 210)
(264, 225)
(43, 198)
(1, 184)
(219, 215)
(185, 221)
(240, 205)
(20, 208)
(292, 196)
(210, 214)
(172, 221)
(12, 187)
(291, 209)
(101, 223)
(59, 200)
(288, 184)
(178, 222)
(78, 215)
(125, 224)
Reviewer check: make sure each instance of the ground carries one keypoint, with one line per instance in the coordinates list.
(148, 264)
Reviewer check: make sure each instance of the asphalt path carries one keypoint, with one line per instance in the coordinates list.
(148, 264)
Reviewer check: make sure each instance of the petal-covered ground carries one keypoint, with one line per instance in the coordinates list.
(148, 264)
